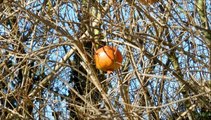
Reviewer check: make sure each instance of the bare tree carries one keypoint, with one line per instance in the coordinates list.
(47, 68)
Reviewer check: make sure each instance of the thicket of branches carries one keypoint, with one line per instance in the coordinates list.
(47, 68)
